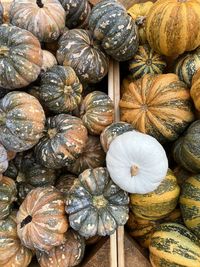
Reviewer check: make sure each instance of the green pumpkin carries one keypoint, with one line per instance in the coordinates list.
(3, 159)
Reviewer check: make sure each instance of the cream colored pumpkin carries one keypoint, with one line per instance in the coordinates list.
(137, 162)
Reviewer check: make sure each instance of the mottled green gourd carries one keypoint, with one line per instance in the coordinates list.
(3, 159)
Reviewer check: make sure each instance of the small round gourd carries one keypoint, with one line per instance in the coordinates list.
(146, 61)
(69, 254)
(78, 50)
(96, 205)
(22, 121)
(63, 142)
(3, 159)
(190, 204)
(137, 163)
(44, 18)
(41, 220)
(158, 105)
(60, 89)
(157, 204)
(21, 57)
(48, 60)
(97, 112)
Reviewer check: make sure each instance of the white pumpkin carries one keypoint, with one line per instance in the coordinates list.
(137, 162)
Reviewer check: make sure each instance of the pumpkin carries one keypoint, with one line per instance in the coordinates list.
(22, 121)
(78, 50)
(95, 204)
(69, 254)
(64, 183)
(11, 154)
(12, 252)
(64, 140)
(158, 105)
(21, 57)
(146, 61)
(23, 189)
(97, 112)
(44, 18)
(112, 131)
(173, 244)
(41, 221)
(60, 89)
(115, 29)
(6, 4)
(77, 13)
(1, 13)
(11, 171)
(7, 196)
(181, 175)
(195, 90)
(173, 37)
(190, 203)
(186, 149)
(157, 204)
(137, 163)
(3, 159)
(187, 65)
(92, 156)
(140, 9)
(48, 60)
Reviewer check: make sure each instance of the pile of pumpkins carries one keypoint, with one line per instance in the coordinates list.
(69, 174)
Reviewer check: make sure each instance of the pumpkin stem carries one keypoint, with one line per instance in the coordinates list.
(52, 133)
(27, 220)
(2, 119)
(4, 50)
(39, 3)
(100, 202)
(134, 170)
(68, 90)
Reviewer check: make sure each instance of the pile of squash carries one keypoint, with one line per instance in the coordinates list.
(69, 174)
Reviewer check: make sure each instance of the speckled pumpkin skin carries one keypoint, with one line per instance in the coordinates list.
(112, 131)
(41, 220)
(20, 57)
(48, 60)
(158, 105)
(60, 89)
(12, 252)
(3, 159)
(64, 183)
(78, 50)
(96, 205)
(68, 254)
(1, 13)
(22, 191)
(22, 121)
(116, 30)
(186, 149)
(44, 18)
(63, 142)
(7, 196)
(97, 112)
(195, 90)
(77, 13)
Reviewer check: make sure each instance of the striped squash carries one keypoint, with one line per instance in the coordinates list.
(190, 204)
(195, 93)
(173, 245)
(158, 105)
(170, 26)
(146, 61)
(157, 204)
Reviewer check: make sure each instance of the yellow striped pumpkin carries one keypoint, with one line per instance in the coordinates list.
(173, 245)
(140, 9)
(195, 92)
(173, 27)
(190, 203)
(159, 203)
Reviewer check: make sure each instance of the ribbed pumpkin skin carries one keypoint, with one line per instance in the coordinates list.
(12, 252)
(69, 254)
(8, 192)
(1, 14)
(119, 35)
(190, 204)
(172, 37)
(112, 131)
(195, 90)
(77, 13)
(48, 60)
(63, 142)
(41, 220)
(97, 112)
(21, 57)
(158, 105)
(44, 18)
(60, 89)
(174, 245)
(78, 50)
(186, 149)
(6, 10)
(140, 9)
(159, 203)
(96, 205)
(187, 65)
(181, 175)
(3, 159)
(92, 157)
(64, 183)
(22, 121)
(146, 61)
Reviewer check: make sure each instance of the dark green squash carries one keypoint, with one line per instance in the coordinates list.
(22, 191)
(3, 159)
(95, 204)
